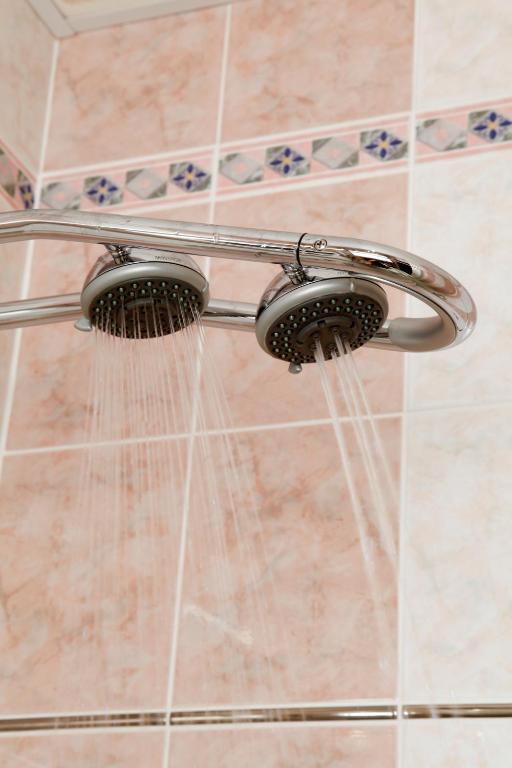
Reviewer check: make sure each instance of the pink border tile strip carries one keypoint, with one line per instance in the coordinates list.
(340, 151)
(16, 182)
(464, 130)
(314, 154)
(137, 185)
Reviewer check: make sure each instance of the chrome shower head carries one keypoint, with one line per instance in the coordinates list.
(143, 292)
(293, 316)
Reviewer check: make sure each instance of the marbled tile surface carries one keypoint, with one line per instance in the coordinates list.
(149, 87)
(88, 577)
(445, 744)
(259, 389)
(458, 588)
(463, 52)
(316, 63)
(12, 262)
(277, 603)
(462, 222)
(25, 60)
(89, 750)
(52, 389)
(281, 748)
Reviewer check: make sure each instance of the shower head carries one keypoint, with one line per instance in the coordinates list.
(293, 316)
(143, 292)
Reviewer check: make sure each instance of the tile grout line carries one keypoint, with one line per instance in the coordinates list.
(250, 428)
(183, 435)
(401, 573)
(173, 654)
(27, 267)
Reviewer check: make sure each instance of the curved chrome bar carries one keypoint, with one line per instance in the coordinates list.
(455, 312)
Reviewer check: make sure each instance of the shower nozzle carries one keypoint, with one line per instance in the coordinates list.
(293, 317)
(143, 292)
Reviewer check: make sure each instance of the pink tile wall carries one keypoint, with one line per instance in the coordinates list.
(26, 51)
(149, 87)
(135, 125)
(115, 750)
(12, 263)
(359, 51)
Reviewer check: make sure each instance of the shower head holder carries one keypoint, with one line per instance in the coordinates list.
(330, 285)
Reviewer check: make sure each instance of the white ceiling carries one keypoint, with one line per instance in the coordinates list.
(67, 17)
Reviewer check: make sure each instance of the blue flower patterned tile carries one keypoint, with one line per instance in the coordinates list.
(102, 191)
(60, 195)
(383, 145)
(287, 161)
(146, 183)
(189, 177)
(8, 174)
(26, 190)
(441, 135)
(335, 153)
(490, 125)
(240, 168)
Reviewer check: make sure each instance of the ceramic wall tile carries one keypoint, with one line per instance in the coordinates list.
(279, 748)
(115, 750)
(278, 605)
(12, 263)
(443, 744)
(457, 578)
(88, 577)
(26, 50)
(360, 54)
(462, 49)
(461, 222)
(259, 388)
(149, 87)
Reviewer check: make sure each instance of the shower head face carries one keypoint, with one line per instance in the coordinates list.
(292, 318)
(147, 293)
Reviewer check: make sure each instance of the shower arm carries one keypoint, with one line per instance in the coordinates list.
(454, 310)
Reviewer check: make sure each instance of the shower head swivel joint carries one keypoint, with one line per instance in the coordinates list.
(143, 292)
(293, 317)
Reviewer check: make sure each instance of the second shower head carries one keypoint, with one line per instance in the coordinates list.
(143, 292)
(294, 316)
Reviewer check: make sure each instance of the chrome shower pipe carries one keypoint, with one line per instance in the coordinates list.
(237, 315)
(454, 310)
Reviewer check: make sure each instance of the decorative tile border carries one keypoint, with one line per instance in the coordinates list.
(16, 183)
(360, 147)
(468, 129)
(312, 154)
(173, 181)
